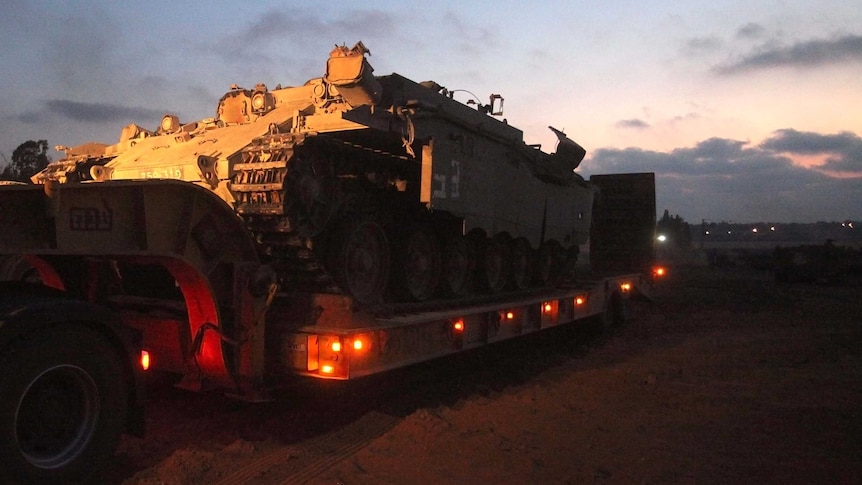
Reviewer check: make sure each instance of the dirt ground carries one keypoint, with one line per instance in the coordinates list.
(727, 377)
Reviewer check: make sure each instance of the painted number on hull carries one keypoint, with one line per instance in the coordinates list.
(163, 173)
(452, 182)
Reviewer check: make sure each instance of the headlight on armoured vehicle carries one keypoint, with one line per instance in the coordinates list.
(170, 123)
(261, 100)
(258, 102)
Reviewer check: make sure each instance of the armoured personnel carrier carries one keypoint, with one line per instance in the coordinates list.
(374, 186)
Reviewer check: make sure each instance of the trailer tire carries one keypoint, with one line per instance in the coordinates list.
(64, 405)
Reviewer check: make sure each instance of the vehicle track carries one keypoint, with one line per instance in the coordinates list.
(300, 462)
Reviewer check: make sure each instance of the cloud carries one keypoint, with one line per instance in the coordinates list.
(750, 31)
(810, 53)
(699, 45)
(279, 32)
(725, 179)
(88, 112)
(843, 150)
(633, 123)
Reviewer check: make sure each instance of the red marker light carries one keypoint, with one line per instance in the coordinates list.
(145, 360)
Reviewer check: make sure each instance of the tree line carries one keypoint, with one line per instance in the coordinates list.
(27, 160)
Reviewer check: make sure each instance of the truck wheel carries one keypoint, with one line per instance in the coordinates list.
(63, 405)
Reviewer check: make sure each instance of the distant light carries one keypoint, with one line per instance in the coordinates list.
(772, 228)
(754, 230)
(707, 233)
(661, 238)
(728, 231)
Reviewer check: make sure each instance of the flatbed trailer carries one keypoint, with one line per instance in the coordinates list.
(125, 276)
(395, 341)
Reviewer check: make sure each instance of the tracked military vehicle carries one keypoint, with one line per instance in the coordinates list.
(374, 186)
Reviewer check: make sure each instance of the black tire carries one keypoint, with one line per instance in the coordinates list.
(63, 407)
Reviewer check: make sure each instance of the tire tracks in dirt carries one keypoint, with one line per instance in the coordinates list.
(300, 462)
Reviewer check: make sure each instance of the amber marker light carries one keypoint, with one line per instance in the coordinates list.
(510, 315)
(327, 369)
(626, 287)
(580, 300)
(335, 346)
(547, 307)
(357, 344)
(458, 325)
(658, 271)
(145, 360)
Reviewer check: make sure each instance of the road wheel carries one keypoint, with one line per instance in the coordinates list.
(459, 266)
(548, 268)
(310, 189)
(495, 264)
(523, 265)
(360, 259)
(418, 264)
(63, 406)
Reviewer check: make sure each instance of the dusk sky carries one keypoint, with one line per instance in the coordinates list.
(747, 111)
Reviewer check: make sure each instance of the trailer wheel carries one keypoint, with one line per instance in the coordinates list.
(63, 405)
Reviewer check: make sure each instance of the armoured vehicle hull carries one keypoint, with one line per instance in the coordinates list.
(375, 186)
